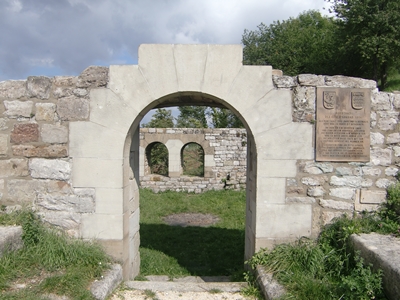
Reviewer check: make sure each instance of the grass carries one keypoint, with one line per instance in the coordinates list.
(393, 82)
(49, 262)
(192, 251)
(328, 268)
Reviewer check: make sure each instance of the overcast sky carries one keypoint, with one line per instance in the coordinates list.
(63, 37)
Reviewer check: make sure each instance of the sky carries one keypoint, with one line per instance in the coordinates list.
(64, 37)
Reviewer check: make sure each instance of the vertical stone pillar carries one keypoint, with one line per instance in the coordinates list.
(174, 157)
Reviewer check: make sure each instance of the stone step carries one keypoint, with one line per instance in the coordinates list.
(10, 238)
(187, 284)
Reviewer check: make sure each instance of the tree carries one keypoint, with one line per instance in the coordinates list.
(371, 30)
(224, 118)
(162, 118)
(305, 44)
(192, 117)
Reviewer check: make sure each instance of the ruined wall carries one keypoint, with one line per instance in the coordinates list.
(35, 167)
(336, 188)
(225, 165)
(93, 193)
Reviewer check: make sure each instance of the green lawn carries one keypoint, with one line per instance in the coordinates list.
(201, 251)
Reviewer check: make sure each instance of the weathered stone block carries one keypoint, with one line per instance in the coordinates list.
(350, 181)
(369, 171)
(334, 204)
(13, 167)
(304, 98)
(387, 120)
(38, 87)
(65, 81)
(16, 108)
(93, 76)
(311, 80)
(12, 89)
(316, 168)
(67, 203)
(10, 239)
(349, 82)
(68, 220)
(391, 171)
(45, 111)
(73, 108)
(284, 81)
(303, 200)
(343, 193)
(50, 169)
(396, 151)
(372, 196)
(344, 171)
(80, 92)
(384, 183)
(60, 92)
(316, 191)
(314, 181)
(54, 134)
(381, 157)
(25, 133)
(393, 138)
(328, 216)
(3, 124)
(23, 191)
(396, 100)
(377, 138)
(380, 101)
(3, 144)
(40, 151)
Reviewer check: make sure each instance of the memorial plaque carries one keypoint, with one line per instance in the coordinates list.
(343, 122)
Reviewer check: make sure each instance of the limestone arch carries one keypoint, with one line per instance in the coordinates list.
(194, 74)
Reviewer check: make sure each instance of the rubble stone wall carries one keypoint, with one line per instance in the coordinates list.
(335, 188)
(226, 161)
(35, 167)
(69, 147)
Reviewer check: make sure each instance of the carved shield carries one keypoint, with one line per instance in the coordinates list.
(329, 99)
(357, 100)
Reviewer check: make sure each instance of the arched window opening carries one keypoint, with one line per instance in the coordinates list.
(192, 158)
(157, 158)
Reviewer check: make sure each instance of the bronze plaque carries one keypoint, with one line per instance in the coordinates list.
(343, 122)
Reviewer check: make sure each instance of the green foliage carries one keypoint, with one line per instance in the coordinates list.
(306, 44)
(157, 158)
(66, 265)
(224, 118)
(32, 229)
(192, 117)
(193, 160)
(370, 29)
(393, 83)
(361, 283)
(162, 118)
(329, 268)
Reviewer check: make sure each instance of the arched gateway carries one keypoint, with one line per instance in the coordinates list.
(105, 149)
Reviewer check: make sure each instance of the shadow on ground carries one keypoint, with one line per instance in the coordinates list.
(202, 251)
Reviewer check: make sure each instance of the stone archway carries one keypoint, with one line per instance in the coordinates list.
(191, 74)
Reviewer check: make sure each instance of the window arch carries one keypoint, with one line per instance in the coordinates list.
(192, 160)
(157, 158)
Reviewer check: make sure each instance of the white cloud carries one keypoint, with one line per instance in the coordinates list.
(69, 35)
